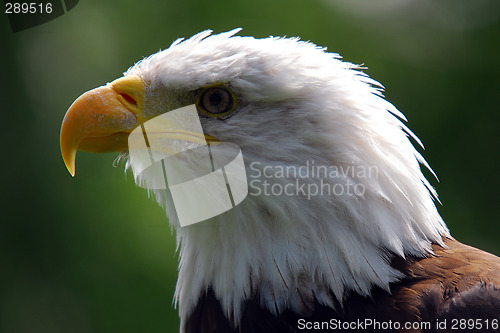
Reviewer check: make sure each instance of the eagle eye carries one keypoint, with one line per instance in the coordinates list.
(216, 102)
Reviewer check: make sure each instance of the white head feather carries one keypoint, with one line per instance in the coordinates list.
(298, 106)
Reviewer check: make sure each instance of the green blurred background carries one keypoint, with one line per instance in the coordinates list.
(95, 254)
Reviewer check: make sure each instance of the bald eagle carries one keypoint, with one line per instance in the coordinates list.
(338, 230)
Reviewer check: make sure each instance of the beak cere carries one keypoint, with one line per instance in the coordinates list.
(101, 119)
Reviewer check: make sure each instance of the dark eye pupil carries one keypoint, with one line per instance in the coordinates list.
(216, 100)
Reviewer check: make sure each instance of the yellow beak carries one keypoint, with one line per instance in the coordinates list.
(101, 119)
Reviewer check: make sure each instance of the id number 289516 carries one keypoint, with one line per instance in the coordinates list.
(28, 8)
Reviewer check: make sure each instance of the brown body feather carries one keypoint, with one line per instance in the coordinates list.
(457, 283)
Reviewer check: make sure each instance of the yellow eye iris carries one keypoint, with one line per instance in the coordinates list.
(216, 102)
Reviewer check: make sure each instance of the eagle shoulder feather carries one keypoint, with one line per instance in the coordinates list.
(456, 283)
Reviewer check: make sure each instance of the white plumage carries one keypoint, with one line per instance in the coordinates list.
(339, 223)
(297, 103)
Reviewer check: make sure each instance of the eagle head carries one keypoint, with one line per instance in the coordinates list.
(335, 188)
